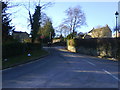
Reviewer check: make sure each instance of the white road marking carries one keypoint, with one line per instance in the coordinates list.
(111, 75)
(91, 63)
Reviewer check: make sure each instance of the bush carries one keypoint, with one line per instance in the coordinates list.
(70, 36)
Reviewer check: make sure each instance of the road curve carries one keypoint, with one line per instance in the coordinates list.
(63, 69)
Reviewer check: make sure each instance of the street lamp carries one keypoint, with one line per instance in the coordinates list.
(116, 15)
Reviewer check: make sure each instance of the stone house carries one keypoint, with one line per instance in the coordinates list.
(21, 36)
(103, 32)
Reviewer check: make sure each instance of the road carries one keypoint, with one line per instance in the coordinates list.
(63, 69)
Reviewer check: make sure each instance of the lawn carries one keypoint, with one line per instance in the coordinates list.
(14, 61)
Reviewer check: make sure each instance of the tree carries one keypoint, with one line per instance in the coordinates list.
(47, 30)
(6, 27)
(71, 35)
(35, 23)
(63, 29)
(75, 18)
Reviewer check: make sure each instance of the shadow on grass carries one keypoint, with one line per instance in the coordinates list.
(24, 58)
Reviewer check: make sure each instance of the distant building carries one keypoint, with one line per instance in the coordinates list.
(114, 35)
(21, 36)
(83, 36)
(56, 40)
(86, 36)
(80, 35)
(103, 32)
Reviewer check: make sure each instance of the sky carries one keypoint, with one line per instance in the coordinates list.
(97, 14)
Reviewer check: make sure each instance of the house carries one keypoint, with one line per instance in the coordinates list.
(80, 35)
(21, 36)
(86, 36)
(114, 35)
(56, 40)
(83, 36)
(103, 32)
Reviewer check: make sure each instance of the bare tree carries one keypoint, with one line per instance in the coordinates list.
(64, 29)
(75, 18)
(36, 18)
(98, 27)
(59, 31)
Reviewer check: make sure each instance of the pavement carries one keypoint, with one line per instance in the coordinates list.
(63, 69)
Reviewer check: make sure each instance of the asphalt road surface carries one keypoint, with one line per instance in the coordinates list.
(63, 69)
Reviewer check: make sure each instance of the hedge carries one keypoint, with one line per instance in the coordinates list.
(15, 49)
(105, 47)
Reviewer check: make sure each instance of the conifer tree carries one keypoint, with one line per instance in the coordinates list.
(6, 27)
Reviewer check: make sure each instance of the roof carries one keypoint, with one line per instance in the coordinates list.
(102, 28)
(19, 32)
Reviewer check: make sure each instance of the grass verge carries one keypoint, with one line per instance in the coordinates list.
(21, 59)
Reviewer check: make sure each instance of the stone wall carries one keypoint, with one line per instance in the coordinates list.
(71, 48)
